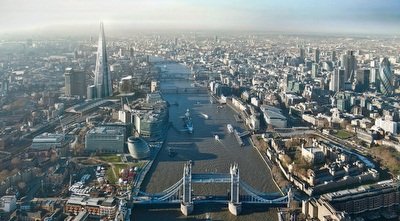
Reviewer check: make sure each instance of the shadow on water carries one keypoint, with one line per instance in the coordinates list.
(186, 152)
(248, 209)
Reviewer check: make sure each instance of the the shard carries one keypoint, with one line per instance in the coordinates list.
(102, 77)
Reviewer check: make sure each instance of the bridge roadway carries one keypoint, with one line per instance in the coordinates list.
(205, 199)
(211, 178)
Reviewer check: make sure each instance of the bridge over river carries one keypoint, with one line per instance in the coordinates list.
(184, 90)
(181, 192)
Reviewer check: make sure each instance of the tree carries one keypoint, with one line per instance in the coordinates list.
(15, 171)
(286, 160)
(4, 173)
(326, 123)
(37, 171)
(21, 185)
(51, 170)
(16, 162)
(53, 157)
(294, 142)
(344, 124)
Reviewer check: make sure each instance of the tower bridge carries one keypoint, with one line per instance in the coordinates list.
(239, 193)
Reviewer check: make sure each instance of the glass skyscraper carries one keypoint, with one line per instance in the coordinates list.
(385, 78)
(102, 77)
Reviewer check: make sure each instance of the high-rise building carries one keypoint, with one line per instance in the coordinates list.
(349, 63)
(102, 76)
(302, 53)
(373, 77)
(75, 83)
(343, 61)
(385, 78)
(316, 55)
(337, 80)
(333, 56)
(361, 80)
(314, 70)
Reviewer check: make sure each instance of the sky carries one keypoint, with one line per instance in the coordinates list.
(293, 16)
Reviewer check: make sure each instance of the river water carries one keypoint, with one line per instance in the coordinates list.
(209, 156)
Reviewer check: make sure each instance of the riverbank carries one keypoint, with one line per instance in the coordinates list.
(261, 151)
(143, 172)
(261, 148)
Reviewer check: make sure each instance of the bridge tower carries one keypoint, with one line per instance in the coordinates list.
(187, 203)
(234, 205)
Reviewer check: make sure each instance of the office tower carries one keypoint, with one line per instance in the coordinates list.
(102, 76)
(316, 55)
(75, 83)
(385, 78)
(302, 53)
(361, 80)
(333, 84)
(176, 41)
(349, 62)
(373, 77)
(288, 79)
(337, 80)
(314, 70)
(373, 64)
(333, 56)
(343, 61)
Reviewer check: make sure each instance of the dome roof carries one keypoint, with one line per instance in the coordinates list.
(138, 148)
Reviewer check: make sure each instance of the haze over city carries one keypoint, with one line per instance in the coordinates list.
(75, 16)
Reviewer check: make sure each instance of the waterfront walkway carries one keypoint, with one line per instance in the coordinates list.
(139, 179)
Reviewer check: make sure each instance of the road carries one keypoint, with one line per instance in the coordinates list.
(344, 143)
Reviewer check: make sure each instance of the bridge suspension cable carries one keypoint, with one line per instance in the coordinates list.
(171, 193)
(259, 196)
(259, 193)
(177, 185)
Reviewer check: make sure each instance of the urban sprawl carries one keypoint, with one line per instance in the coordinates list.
(82, 118)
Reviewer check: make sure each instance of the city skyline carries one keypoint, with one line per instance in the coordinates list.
(354, 17)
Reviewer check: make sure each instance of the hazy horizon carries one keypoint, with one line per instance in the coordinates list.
(306, 16)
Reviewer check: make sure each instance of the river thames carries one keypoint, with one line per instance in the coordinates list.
(209, 156)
